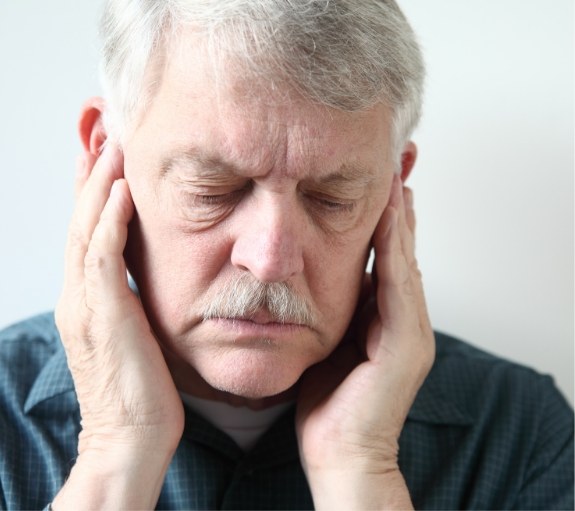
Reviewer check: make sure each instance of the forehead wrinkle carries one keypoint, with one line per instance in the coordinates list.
(204, 164)
(208, 165)
(347, 175)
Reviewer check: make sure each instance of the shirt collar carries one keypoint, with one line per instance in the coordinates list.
(53, 380)
(434, 405)
(438, 401)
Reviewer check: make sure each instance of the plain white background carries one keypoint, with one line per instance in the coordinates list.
(493, 184)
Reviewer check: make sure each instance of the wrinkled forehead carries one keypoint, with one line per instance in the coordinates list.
(213, 102)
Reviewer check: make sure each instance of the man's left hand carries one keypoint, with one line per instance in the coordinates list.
(353, 406)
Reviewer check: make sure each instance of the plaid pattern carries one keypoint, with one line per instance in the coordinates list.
(482, 434)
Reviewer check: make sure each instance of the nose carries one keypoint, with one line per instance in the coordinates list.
(269, 241)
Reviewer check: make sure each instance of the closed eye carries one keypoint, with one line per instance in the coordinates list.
(218, 197)
(331, 204)
(337, 206)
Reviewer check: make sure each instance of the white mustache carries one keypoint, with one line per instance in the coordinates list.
(242, 296)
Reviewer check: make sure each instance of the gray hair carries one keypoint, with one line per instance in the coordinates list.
(345, 54)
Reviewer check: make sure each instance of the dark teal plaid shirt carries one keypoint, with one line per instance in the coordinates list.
(483, 434)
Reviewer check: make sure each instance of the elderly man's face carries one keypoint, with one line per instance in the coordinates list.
(227, 184)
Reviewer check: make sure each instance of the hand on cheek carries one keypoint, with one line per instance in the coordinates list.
(132, 415)
(349, 420)
(401, 327)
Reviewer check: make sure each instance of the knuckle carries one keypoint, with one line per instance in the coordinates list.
(396, 270)
(414, 270)
(94, 261)
(407, 286)
(76, 237)
(107, 237)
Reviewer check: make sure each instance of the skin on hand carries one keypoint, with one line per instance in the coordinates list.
(352, 407)
(128, 402)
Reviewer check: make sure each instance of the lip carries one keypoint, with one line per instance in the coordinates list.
(257, 327)
(260, 317)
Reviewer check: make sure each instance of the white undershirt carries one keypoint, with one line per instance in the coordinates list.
(244, 425)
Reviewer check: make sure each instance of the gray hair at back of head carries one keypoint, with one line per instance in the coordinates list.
(345, 54)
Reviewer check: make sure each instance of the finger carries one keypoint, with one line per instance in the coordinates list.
(395, 294)
(104, 268)
(81, 175)
(93, 197)
(402, 198)
(84, 166)
(405, 329)
(405, 233)
(406, 229)
(409, 211)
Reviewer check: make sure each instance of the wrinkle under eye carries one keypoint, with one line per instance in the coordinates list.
(333, 215)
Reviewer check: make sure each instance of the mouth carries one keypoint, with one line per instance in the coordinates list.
(261, 324)
(263, 317)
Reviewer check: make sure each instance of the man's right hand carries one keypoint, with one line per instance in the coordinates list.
(132, 415)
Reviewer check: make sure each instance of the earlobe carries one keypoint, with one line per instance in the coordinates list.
(408, 158)
(91, 128)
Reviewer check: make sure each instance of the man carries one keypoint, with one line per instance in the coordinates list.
(248, 156)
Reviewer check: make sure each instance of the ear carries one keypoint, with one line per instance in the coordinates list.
(91, 126)
(408, 157)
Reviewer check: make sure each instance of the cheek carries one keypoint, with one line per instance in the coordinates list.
(335, 278)
(162, 255)
(173, 269)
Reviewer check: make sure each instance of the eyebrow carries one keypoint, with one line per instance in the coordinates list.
(213, 165)
(206, 164)
(348, 174)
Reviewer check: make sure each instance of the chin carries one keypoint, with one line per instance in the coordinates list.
(252, 375)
